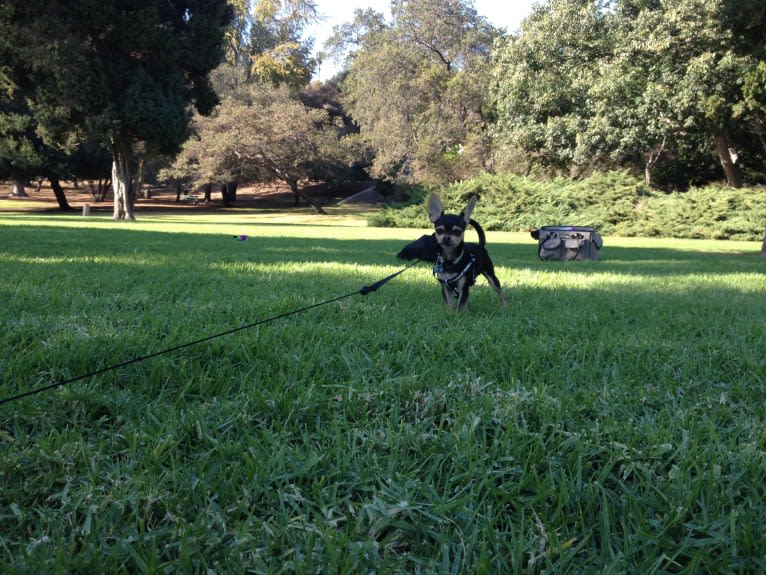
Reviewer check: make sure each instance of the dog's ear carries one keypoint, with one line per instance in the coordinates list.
(468, 210)
(435, 207)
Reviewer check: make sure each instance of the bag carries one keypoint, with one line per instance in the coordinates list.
(567, 243)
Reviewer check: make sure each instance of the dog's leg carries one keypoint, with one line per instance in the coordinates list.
(463, 301)
(447, 297)
(462, 288)
(495, 283)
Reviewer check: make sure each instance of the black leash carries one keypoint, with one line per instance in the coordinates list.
(363, 291)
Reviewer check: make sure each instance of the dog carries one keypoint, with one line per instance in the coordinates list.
(456, 263)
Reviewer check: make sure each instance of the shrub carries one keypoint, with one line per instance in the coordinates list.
(613, 202)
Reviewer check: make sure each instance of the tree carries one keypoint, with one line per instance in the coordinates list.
(268, 64)
(630, 82)
(264, 134)
(266, 40)
(542, 81)
(21, 151)
(416, 87)
(24, 155)
(125, 72)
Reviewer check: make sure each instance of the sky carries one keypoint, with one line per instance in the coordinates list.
(507, 14)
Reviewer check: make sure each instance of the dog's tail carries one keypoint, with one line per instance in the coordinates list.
(479, 231)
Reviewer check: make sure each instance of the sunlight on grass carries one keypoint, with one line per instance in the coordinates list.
(703, 246)
(220, 223)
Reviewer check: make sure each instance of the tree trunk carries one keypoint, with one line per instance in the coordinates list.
(225, 196)
(763, 246)
(122, 179)
(229, 193)
(733, 175)
(760, 132)
(18, 191)
(103, 189)
(140, 181)
(232, 188)
(300, 195)
(60, 196)
(651, 161)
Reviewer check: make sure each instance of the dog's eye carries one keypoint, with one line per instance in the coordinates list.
(440, 230)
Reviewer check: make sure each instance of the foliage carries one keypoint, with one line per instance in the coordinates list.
(614, 203)
(266, 40)
(21, 150)
(609, 421)
(262, 133)
(123, 74)
(24, 154)
(646, 85)
(271, 124)
(417, 87)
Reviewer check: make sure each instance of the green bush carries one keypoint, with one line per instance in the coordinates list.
(614, 202)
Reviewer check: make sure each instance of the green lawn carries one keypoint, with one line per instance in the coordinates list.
(610, 420)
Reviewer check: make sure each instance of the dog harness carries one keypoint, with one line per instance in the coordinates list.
(443, 264)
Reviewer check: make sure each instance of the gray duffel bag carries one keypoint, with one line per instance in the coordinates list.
(567, 243)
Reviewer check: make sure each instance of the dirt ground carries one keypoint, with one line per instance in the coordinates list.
(261, 196)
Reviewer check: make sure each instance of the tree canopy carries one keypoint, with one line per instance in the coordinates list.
(416, 86)
(266, 40)
(123, 72)
(664, 86)
(271, 124)
(262, 133)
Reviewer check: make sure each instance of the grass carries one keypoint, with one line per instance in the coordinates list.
(611, 420)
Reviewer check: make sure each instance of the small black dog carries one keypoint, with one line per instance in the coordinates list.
(457, 264)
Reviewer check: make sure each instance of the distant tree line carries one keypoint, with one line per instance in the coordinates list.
(219, 92)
